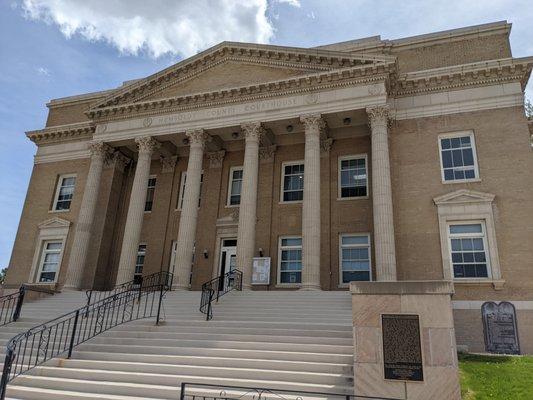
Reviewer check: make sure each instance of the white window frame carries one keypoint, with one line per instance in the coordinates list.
(148, 188)
(369, 245)
(469, 206)
(283, 165)
(182, 189)
(280, 248)
(352, 157)
(59, 184)
(42, 257)
(474, 155)
(135, 273)
(230, 181)
(483, 235)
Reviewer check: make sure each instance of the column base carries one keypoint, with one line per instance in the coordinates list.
(181, 287)
(315, 288)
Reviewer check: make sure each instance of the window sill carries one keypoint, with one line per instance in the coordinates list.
(461, 181)
(352, 198)
(497, 284)
(291, 202)
(289, 285)
(58, 211)
(232, 206)
(42, 283)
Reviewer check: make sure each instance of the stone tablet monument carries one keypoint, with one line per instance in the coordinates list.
(499, 327)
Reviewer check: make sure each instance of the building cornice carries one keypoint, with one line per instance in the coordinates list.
(62, 133)
(461, 76)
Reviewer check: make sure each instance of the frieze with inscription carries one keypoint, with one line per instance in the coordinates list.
(402, 352)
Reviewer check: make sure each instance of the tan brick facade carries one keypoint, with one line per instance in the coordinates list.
(502, 140)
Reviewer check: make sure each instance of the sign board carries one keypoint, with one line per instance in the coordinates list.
(261, 271)
(402, 352)
(499, 326)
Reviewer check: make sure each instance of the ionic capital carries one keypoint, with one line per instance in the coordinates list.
(198, 137)
(253, 130)
(378, 115)
(313, 123)
(147, 144)
(99, 149)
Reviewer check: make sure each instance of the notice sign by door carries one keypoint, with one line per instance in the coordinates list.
(261, 271)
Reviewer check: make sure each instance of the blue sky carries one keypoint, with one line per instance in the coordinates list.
(57, 48)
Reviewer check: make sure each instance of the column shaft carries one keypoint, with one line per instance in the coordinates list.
(82, 235)
(382, 196)
(248, 205)
(134, 219)
(189, 211)
(311, 203)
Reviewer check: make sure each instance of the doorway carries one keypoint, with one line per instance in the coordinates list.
(228, 261)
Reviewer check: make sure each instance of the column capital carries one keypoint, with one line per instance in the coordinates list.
(253, 130)
(147, 144)
(313, 123)
(99, 149)
(216, 158)
(266, 153)
(379, 115)
(198, 136)
(168, 163)
(117, 160)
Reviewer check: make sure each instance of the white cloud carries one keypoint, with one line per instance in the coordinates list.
(158, 27)
(294, 3)
(43, 71)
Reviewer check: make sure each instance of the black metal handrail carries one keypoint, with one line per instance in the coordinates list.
(60, 335)
(11, 304)
(224, 392)
(215, 288)
(159, 278)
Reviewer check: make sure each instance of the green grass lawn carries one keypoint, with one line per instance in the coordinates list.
(496, 377)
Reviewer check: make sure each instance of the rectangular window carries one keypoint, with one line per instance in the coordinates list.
(352, 177)
(235, 186)
(181, 193)
(49, 265)
(64, 192)
(139, 263)
(458, 157)
(468, 249)
(290, 260)
(292, 181)
(355, 258)
(150, 194)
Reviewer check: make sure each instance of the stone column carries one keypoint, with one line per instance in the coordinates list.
(189, 211)
(134, 219)
(248, 206)
(311, 203)
(382, 195)
(82, 236)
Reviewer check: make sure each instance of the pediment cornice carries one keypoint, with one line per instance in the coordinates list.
(464, 196)
(293, 85)
(307, 60)
(55, 222)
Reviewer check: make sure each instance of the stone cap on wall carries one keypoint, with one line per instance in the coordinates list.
(402, 287)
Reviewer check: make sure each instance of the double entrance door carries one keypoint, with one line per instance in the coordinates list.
(228, 262)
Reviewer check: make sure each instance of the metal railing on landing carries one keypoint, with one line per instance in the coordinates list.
(159, 278)
(60, 335)
(11, 304)
(215, 288)
(205, 391)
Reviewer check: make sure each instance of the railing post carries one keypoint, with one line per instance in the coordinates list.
(6, 371)
(20, 300)
(140, 289)
(73, 333)
(159, 305)
(182, 393)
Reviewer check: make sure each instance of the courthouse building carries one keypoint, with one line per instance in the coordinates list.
(367, 160)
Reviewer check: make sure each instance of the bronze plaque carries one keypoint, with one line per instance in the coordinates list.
(402, 353)
(499, 326)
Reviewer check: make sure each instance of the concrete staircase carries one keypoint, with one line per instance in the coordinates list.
(283, 340)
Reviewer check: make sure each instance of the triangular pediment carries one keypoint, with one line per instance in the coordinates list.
(54, 223)
(230, 65)
(463, 196)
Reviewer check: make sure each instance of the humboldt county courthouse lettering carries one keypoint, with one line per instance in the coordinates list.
(304, 168)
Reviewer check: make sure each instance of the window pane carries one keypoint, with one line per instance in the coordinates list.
(290, 277)
(53, 245)
(458, 158)
(355, 239)
(348, 276)
(466, 228)
(291, 242)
